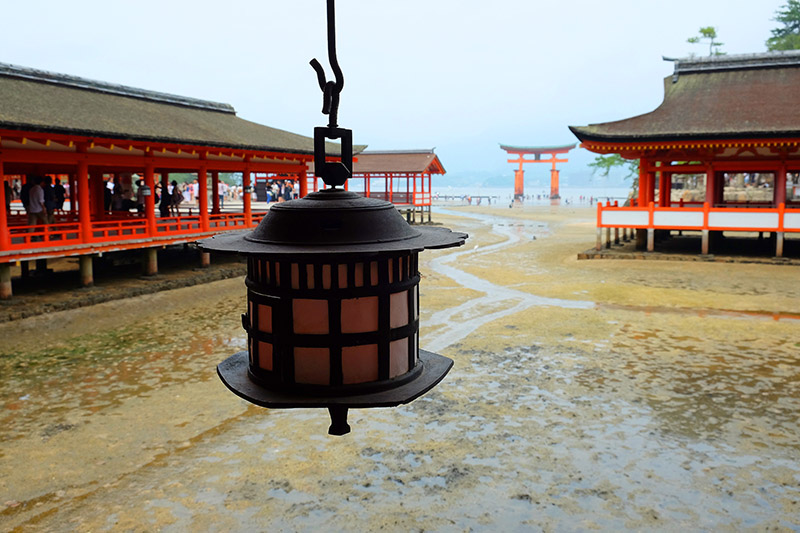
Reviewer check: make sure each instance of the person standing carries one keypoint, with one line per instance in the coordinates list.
(49, 199)
(61, 195)
(140, 199)
(177, 198)
(221, 187)
(25, 192)
(196, 192)
(36, 209)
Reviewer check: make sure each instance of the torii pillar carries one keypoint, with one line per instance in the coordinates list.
(536, 151)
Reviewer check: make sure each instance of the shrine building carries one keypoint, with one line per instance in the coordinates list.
(402, 177)
(87, 133)
(720, 154)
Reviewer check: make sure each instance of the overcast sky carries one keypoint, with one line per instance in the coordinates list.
(461, 76)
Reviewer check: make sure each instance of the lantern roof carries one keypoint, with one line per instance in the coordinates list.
(718, 97)
(334, 221)
(37, 100)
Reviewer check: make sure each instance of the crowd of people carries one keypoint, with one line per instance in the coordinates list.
(43, 197)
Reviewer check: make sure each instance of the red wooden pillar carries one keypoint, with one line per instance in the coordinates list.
(711, 186)
(202, 202)
(247, 195)
(642, 201)
(303, 183)
(84, 203)
(97, 194)
(391, 187)
(554, 181)
(430, 191)
(5, 238)
(73, 193)
(150, 201)
(215, 193)
(779, 196)
(663, 190)
(414, 198)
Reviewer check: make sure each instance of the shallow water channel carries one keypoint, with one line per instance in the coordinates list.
(561, 413)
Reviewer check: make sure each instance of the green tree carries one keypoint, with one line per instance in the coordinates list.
(788, 36)
(604, 164)
(709, 33)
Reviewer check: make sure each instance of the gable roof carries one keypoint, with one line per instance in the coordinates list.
(398, 161)
(718, 97)
(34, 100)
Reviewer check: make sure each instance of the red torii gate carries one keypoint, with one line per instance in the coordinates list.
(537, 151)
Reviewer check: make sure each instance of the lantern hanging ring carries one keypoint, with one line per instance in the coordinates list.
(330, 89)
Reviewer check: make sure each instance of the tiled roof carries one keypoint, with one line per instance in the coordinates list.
(33, 100)
(744, 96)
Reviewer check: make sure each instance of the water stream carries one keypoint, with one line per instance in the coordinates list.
(472, 314)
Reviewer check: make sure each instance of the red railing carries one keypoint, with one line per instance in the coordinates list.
(121, 228)
(44, 235)
(699, 218)
(116, 230)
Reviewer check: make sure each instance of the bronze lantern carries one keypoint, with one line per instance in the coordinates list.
(332, 315)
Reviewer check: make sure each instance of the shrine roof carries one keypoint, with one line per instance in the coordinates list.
(560, 149)
(398, 161)
(718, 97)
(40, 101)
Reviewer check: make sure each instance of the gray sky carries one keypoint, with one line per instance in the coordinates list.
(462, 76)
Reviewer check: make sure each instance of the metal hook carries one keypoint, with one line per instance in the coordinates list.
(330, 89)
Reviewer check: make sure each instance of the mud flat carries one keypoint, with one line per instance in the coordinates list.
(585, 395)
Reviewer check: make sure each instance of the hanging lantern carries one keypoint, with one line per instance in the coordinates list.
(332, 314)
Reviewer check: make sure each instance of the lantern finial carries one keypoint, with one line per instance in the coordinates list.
(332, 173)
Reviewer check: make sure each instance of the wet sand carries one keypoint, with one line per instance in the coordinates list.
(585, 395)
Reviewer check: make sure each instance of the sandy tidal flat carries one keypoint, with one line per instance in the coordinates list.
(585, 395)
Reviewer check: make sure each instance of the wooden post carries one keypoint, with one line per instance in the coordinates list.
(150, 257)
(202, 202)
(781, 218)
(84, 206)
(608, 237)
(247, 195)
(779, 195)
(650, 239)
(5, 281)
(87, 275)
(641, 238)
(303, 178)
(704, 246)
(73, 193)
(616, 235)
(599, 245)
(215, 192)
(5, 235)
(205, 259)
(150, 201)
(642, 182)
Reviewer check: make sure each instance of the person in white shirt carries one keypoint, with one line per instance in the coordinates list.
(37, 214)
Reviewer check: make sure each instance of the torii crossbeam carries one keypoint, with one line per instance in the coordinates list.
(536, 151)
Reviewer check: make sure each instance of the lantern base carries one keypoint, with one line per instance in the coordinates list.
(233, 373)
